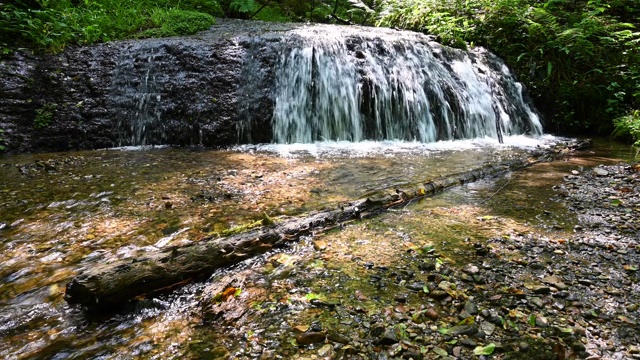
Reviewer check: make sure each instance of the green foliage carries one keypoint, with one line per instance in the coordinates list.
(3, 146)
(53, 25)
(628, 126)
(176, 22)
(44, 116)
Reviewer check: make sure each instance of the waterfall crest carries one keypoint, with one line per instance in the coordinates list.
(349, 83)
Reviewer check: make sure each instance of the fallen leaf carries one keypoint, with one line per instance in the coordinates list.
(484, 350)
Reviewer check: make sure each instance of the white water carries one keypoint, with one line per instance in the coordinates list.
(327, 149)
(353, 84)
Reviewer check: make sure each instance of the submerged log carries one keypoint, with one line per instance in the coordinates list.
(114, 283)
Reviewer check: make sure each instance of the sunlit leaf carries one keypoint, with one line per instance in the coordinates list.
(484, 350)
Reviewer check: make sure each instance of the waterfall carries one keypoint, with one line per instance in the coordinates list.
(350, 83)
(137, 98)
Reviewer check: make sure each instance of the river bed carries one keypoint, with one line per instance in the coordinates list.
(62, 211)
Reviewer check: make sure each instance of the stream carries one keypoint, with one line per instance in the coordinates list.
(61, 212)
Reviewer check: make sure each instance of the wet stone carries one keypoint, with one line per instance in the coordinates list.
(471, 308)
(541, 321)
(463, 330)
(418, 286)
(536, 301)
(310, 338)
(389, 337)
(540, 289)
(325, 350)
(335, 336)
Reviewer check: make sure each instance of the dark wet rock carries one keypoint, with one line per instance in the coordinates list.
(470, 308)
(468, 343)
(540, 289)
(537, 302)
(577, 346)
(416, 286)
(335, 336)
(463, 330)
(388, 337)
(308, 338)
(438, 294)
(412, 354)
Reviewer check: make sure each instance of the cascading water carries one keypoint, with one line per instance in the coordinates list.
(346, 83)
(137, 98)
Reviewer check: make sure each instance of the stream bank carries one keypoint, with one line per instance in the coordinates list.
(452, 277)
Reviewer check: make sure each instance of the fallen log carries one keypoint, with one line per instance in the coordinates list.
(114, 283)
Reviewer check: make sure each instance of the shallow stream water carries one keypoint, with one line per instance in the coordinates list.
(64, 211)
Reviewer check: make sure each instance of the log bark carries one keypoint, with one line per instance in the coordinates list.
(105, 285)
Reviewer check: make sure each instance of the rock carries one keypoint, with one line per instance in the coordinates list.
(418, 286)
(389, 337)
(395, 350)
(319, 245)
(541, 321)
(471, 308)
(308, 338)
(523, 346)
(16, 223)
(412, 354)
(487, 327)
(337, 337)
(463, 330)
(468, 343)
(438, 294)
(470, 269)
(600, 171)
(577, 346)
(2, 225)
(540, 289)
(432, 314)
(536, 301)
(325, 351)
(575, 172)
(555, 282)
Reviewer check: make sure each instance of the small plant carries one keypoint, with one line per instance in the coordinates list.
(44, 116)
(3, 146)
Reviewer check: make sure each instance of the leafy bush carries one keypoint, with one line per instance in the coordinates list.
(177, 22)
(53, 25)
(628, 126)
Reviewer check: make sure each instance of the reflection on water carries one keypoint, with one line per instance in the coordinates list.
(60, 212)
